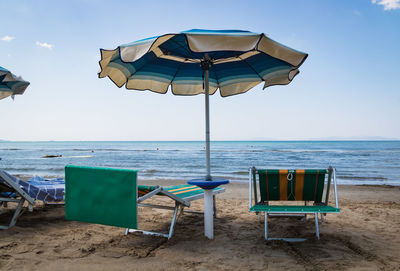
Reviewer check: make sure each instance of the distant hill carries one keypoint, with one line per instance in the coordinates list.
(330, 138)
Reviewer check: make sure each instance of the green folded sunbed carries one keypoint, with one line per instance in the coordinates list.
(111, 197)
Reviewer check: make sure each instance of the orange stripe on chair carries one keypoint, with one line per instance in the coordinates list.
(299, 185)
(283, 184)
(176, 193)
(143, 192)
(182, 188)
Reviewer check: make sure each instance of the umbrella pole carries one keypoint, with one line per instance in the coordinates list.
(207, 94)
(208, 195)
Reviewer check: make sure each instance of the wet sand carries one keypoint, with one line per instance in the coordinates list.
(364, 236)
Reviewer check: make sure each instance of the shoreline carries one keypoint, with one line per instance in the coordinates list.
(172, 180)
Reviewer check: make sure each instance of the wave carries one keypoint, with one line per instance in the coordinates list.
(124, 150)
(18, 168)
(150, 171)
(33, 169)
(78, 156)
(241, 173)
(376, 178)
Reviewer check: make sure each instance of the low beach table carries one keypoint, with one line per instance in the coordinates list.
(208, 186)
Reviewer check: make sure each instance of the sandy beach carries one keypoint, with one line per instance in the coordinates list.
(364, 236)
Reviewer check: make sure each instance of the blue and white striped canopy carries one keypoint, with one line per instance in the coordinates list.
(240, 60)
(10, 84)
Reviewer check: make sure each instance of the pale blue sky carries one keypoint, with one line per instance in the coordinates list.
(347, 88)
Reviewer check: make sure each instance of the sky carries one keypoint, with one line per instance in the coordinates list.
(348, 88)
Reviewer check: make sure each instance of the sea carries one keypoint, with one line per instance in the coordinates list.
(356, 162)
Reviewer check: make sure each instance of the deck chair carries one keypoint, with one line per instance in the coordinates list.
(13, 189)
(111, 197)
(279, 192)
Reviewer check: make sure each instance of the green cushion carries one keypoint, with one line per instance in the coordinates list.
(294, 209)
(101, 195)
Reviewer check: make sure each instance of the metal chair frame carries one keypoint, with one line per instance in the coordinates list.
(257, 200)
(180, 204)
(20, 197)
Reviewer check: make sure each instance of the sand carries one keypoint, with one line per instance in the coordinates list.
(365, 236)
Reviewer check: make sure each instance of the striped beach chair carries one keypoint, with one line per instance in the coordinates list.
(111, 197)
(283, 192)
(13, 189)
(182, 195)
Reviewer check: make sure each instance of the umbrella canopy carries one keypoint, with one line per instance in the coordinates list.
(202, 61)
(239, 61)
(10, 84)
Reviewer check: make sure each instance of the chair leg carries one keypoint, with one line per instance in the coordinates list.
(305, 215)
(316, 225)
(17, 213)
(180, 211)
(171, 229)
(266, 225)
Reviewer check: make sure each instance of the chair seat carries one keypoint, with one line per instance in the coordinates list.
(292, 209)
(183, 191)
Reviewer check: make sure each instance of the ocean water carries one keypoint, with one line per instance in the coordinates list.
(357, 162)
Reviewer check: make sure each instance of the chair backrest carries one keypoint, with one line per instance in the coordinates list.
(291, 185)
(144, 189)
(10, 184)
(101, 195)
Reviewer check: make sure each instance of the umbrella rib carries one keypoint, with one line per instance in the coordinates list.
(136, 70)
(188, 51)
(180, 46)
(216, 78)
(147, 63)
(251, 67)
(177, 70)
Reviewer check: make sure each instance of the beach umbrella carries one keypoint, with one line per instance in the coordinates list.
(202, 61)
(10, 84)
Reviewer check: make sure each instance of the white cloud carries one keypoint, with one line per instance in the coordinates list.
(388, 4)
(45, 45)
(7, 38)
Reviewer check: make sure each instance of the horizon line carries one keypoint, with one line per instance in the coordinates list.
(224, 140)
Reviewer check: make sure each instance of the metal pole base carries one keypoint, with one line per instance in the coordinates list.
(208, 214)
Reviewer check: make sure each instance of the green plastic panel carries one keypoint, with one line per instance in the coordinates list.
(314, 183)
(269, 187)
(294, 209)
(312, 187)
(101, 195)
